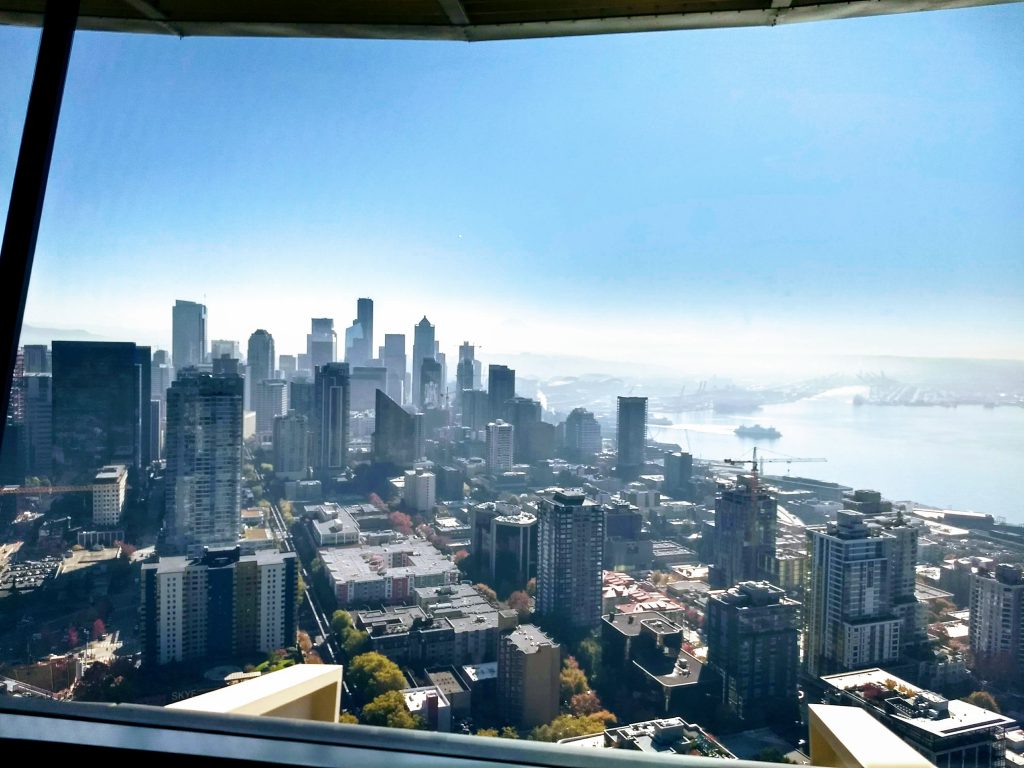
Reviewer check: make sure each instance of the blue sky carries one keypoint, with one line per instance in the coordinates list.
(853, 186)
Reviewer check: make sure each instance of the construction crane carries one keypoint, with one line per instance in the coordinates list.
(757, 465)
(40, 490)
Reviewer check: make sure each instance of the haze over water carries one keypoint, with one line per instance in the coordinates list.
(967, 457)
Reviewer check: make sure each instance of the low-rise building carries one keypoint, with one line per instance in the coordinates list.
(431, 705)
(947, 732)
(668, 736)
(386, 573)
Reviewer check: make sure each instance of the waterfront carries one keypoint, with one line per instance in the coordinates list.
(964, 458)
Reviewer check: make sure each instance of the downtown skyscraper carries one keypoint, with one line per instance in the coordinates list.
(202, 481)
(101, 394)
(424, 347)
(321, 343)
(260, 357)
(188, 334)
(331, 400)
(743, 543)
(501, 387)
(392, 356)
(631, 436)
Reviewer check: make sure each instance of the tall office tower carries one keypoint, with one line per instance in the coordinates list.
(188, 334)
(753, 645)
(570, 555)
(100, 408)
(501, 387)
(331, 418)
(161, 375)
(291, 446)
(678, 474)
(393, 356)
(156, 430)
(431, 394)
(367, 380)
(582, 435)
(860, 605)
(504, 544)
(36, 358)
(270, 400)
(364, 319)
(475, 408)
(354, 343)
(443, 362)
(221, 347)
(221, 605)
(227, 366)
(109, 491)
(631, 436)
(288, 366)
(202, 482)
(997, 622)
(37, 392)
(397, 434)
(743, 544)
(522, 413)
(260, 356)
(422, 349)
(529, 663)
(321, 343)
(500, 440)
(464, 370)
(301, 398)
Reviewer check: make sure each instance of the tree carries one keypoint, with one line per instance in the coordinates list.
(487, 732)
(586, 703)
(508, 732)
(341, 623)
(266, 469)
(489, 594)
(459, 556)
(520, 603)
(355, 643)
(772, 755)
(373, 674)
(531, 587)
(377, 502)
(985, 700)
(568, 726)
(347, 717)
(389, 710)
(572, 679)
(401, 522)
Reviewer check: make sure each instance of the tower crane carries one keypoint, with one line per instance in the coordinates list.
(757, 465)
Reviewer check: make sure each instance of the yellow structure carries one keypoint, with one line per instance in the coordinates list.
(302, 692)
(848, 737)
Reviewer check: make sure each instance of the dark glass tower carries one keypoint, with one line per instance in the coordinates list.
(188, 334)
(423, 348)
(397, 434)
(631, 437)
(101, 393)
(501, 387)
(332, 396)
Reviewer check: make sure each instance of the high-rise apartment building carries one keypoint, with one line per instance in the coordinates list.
(423, 348)
(743, 544)
(860, 607)
(997, 621)
(331, 417)
(631, 436)
(504, 544)
(269, 400)
(291, 446)
(678, 475)
(501, 387)
(753, 637)
(101, 393)
(202, 481)
(260, 358)
(221, 605)
(500, 442)
(397, 434)
(392, 354)
(528, 684)
(420, 491)
(582, 435)
(432, 390)
(188, 334)
(321, 343)
(109, 491)
(570, 548)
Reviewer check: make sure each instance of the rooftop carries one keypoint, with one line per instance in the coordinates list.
(529, 638)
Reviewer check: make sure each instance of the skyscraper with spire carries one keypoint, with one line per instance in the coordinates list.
(423, 348)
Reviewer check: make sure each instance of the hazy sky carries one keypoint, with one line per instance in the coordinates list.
(842, 187)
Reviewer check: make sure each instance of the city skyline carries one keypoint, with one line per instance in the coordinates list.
(865, 207)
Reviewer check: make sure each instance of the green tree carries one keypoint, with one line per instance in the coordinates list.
(508, 732)
(572, 679)
(347, 717)
(341, 623)
(355, 643)
(372, 674)
(487, 732)
(985, 700)
(772, 755)
(568, 726)
(388, 709)
(266, 469)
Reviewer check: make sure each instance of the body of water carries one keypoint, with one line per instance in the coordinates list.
(968, 458)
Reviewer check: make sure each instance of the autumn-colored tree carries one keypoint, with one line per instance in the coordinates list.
(572, 679)
(508, 732)
(985, 700)
(586, 703)
(568, 726)
(303, 641)
(488, 594)
(377, 502)
(459, 556)
(372, 674)
(126, 549)
(389, 709)
(348, 717)
(493, 733)
(401, 522)
(313, 658)
(520, 603)
(531, 587)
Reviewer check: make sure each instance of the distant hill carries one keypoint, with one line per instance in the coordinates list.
(33, 334)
